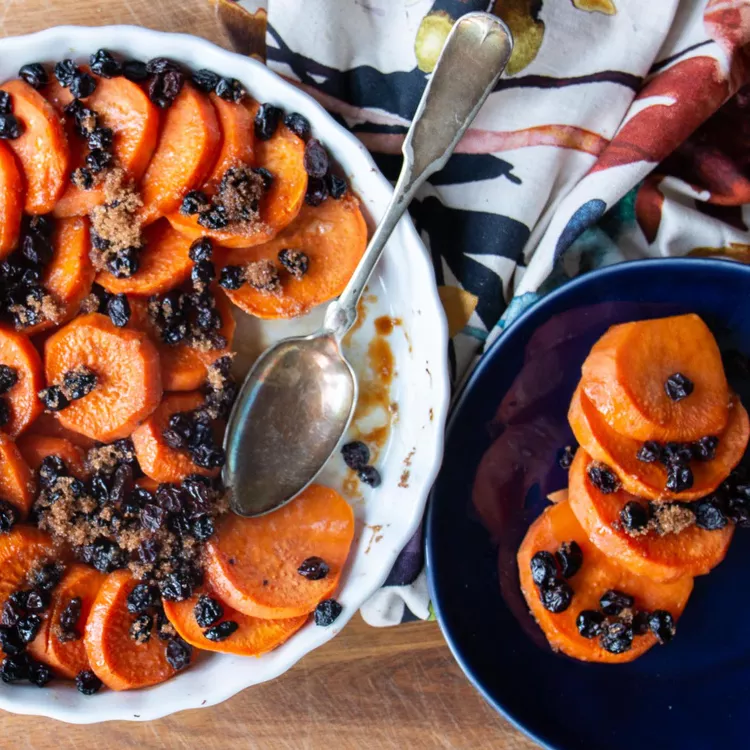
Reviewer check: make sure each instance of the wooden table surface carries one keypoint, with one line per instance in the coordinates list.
(368, 688)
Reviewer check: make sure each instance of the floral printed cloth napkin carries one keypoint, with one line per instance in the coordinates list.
(619, 131)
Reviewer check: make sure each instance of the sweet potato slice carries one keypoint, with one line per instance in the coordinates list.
(69, 275)
(252, 562)
(47, 425)
(558, 496)
(17, 352)
(332, 235)
(42, 149)
(237, 140)
(67, 657)
(253, 637)
(185, 153)
(122, 106)
(624, 376)
(11, 201)
(116, 659)
(35, 448)
(156, 458)
(16, 479)
(164, 264)
(691, 552)
(649, 479)
(282, 155)
(182, 367)
(127, 367)
(598, 574)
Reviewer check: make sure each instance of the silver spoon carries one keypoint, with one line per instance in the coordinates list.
(297, 401)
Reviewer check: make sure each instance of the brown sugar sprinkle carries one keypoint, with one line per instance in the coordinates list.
(263, 276)
(90, 304)
(240, 193)
(116, 220)
(671, 518)
(33, 310)
(106, 458)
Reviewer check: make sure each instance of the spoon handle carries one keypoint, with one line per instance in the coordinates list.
(473, 58)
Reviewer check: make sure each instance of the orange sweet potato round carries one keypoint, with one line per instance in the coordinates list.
(156, 458)
(164, 263)
(11, 201)
(16, 479)
(253, 637)
(691, 552)
(116, 659)
(127, 367)
(67, 657)
(122, 106)
(332, 235)
(598, 574)
(17, 352)
(252, 562)
(69, 275)
(625, 373)
(35, 448)
(187, 148)
(42, 149)
(282, 155)
(649, 479)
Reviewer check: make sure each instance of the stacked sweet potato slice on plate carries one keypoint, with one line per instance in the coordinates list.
(655, 492)
(143, 207)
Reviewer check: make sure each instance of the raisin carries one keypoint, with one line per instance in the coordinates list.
(135, 70)
(313, 568)
(649, 452)
(565, 457)
(205, 80)
(98, 160)
(230, 89)
(570, 558)
(603, 478)
(589, 623)
(51, 469)
(208, 319)
(36, 249)
(705, 448)
(53, 398)
(544, 567)
(222, 631)
(298, 124)
(6, 105)
(294, 261)
(194, 202)
(82, 178)
(178, 653)
(149, 550)
(34, 74)
(11, 613)
(208, 456)
(100, 138)
(4, 412)
(157, 65)
(616, 637)
(174, 334)
(556, 595)
(266, 176)
(39, 674)
(317, 191)
(79, 382)
(634, 517)
(28, 627)
(70, 616)
(15, 668)
(336, 186)
(370, 476)
(10, 127)
(82, 85)
(65, 71)
(202, 528)
(88, 683)
(125, 263)
(214, 218)
(676, 453)
(140, 629)
(207, 611)
(176, 587)
(201, 249)
(612, 602)
(738, 511)
(266, 121)
(640, 622)
(203, 272)
(107, 556)
(709, 514)
(163, 88)
(327, 612)
(678, 386)
(662, 625)
(315, 159)
(104, 64)
(679, 477)
(8, 378)
(232, 277)
(35, 601)
(11, 641)
(48, 576)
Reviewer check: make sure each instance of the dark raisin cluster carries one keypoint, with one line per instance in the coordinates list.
(566, 456)
(8, 378)
(356, 456)
(549, 572)
(229, 89)
(166, 79)
(80, 83)
(193, 432)
(327, 612)
(22, 294)
(602, 477)
(10, 126)
(677, 458)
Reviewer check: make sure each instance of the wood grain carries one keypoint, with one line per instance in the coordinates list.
(368, 688)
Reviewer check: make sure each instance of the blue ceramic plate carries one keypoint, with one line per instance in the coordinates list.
(500, 463)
